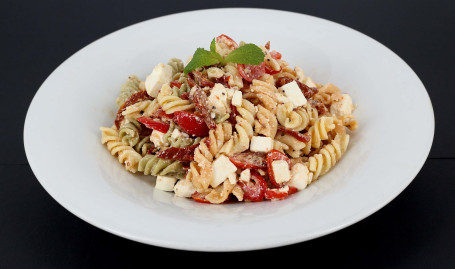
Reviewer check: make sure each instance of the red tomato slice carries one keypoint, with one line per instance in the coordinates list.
(185, 96)
(276, 194)
(162, 114)
(249, 160)
(254, 191)
(228, 41)
(251, 72)
(153, 124)
(191, 124)
(200, 198)
(175, 84)
(270, 71)
(275, 55)
(275, 155)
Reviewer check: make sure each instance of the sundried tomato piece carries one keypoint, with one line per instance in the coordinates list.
(185, 154)
(200, 101)
(133, 99)
(305, 138)
(308, 92)
(282, 81)
(201, 80)
(249, 160)
(319, 106)
(233, 115)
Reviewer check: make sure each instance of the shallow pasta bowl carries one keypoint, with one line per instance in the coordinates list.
(385, 153)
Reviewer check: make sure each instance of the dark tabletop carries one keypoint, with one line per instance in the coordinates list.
(415, 230)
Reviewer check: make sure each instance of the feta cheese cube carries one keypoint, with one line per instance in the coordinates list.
(293, 92)
(222, 168)
(165, 183)
(214, 72)
(176, 133)
(343, 107)
(237, 98)
(157, 138)
(281, 171)
(161, 74)
(218, 99)
(232, 178)
(261, 144)
(245, 175)
(184, 188)
(300, 176)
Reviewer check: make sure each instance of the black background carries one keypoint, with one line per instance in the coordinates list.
(415, 230)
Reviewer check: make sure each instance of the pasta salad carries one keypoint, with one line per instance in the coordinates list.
(235, 123)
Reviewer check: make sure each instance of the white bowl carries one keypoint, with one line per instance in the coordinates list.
(62, 139)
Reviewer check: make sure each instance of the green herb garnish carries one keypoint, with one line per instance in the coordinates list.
(246, 54)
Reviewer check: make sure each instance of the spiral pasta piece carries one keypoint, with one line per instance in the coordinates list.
(177, 65)
(129, 132)
(320, 163)
(151, 165)
(244, 127)
(171, 103)
(286, 71)
(296, 120)
(327, 94)
(130, 87)
(266, 93)
(143, 145)
(142, 108)
(265, 122)
(294, 146)
(125, 154)
(319, 132)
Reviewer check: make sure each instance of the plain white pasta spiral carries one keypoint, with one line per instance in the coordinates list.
(296, 120)
(244, 127)
(319, 132)
(171, 103)
(142, 108)
(320, 163)
(125, 154)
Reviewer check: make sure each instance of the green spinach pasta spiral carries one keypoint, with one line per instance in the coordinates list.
(129, 132)
(179, 141)
(130, 87)
(151, 165)
(143, 145)
(177, 65)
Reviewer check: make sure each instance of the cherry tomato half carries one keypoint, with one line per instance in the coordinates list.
(276, 194)
(191, 124)
(254, 191)
(251, 72)
(227, 40)
(270, 71)
(200, 198)
(275, 155)
(275, 55)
